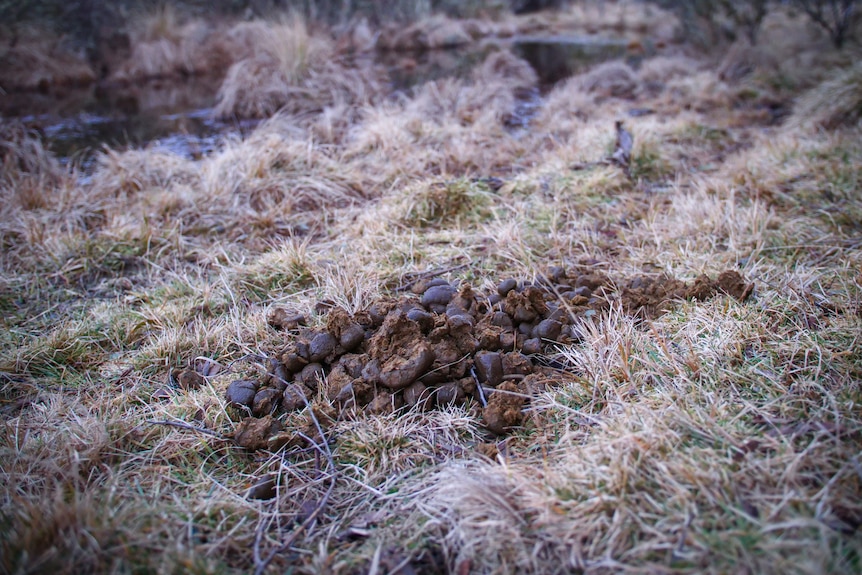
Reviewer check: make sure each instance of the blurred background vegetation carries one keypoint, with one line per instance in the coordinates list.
(715, 21)
(84, 22)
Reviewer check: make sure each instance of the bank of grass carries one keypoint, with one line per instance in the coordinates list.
(267, 61)
(722, 436)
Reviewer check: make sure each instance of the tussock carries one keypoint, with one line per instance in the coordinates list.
(448, 127)
(504, 67)
(621, 17)
(612, 79)
(164, 46)
(836, 102)
(272, 169)
(33, 188)
(135, 171)
(24, 156)
(276, 172)
(703, 91)
(194, 52)
(661, 69)
(287, 68)
(37, 60)
(566, 119)
(741, 60)
(790, 56)
(433, 33)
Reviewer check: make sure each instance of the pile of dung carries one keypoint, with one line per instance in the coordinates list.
(448, 344)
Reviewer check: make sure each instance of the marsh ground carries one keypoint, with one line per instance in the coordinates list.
(706, 434)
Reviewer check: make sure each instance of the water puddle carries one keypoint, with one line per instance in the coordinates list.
(189, 134)
(407, 71)
(171, 116)
(556, 58)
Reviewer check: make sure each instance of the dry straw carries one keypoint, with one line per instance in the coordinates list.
(721, 436)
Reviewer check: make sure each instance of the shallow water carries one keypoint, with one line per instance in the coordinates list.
(190, 134)
(555, 58)
(178, 116)
(171, 116)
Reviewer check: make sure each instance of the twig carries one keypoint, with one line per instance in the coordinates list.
(183, 425)
(246, 357)
(479, 387)
(123, 376)
(260, 566)
(258, 535)
(447, 365)
(621, 157)
(587, 165)
(513, 393)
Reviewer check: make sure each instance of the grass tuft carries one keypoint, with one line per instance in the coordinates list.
(835, 102)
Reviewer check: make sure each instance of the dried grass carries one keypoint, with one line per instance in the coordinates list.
(719, 437)
(164, 45)
(662, 69)
(624, 17)
(835, 102)
(432, 33)
(37, 60)
(285, 67)
(610, 80)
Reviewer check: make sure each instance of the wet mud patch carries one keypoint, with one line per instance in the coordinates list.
(450, 344)
(733, 284)
(648, 297)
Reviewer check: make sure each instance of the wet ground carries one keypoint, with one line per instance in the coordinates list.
(178, 116)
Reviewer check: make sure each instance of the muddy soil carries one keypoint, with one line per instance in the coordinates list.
(447, 344)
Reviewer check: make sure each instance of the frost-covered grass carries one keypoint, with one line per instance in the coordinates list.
(723, 436)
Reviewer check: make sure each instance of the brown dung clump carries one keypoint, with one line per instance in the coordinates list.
(448, 344)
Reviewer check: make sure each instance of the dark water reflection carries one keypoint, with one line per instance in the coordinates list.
(175, 116)
(190, 134)
(559, 57)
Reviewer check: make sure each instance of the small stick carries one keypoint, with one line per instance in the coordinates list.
(260, 566)
(246, 357)
(123, 376)
(183, 425)
(456, 362)
(479, 387)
